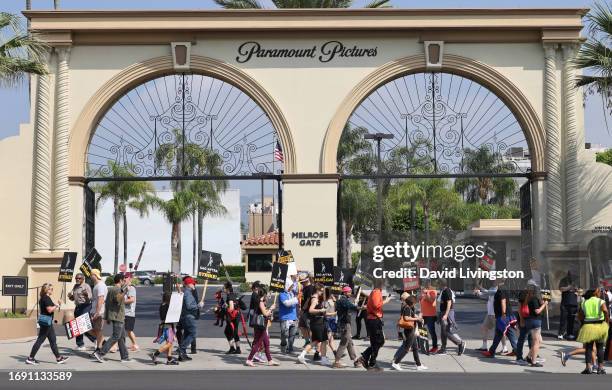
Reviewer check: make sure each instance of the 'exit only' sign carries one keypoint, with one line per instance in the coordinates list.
(15, 286)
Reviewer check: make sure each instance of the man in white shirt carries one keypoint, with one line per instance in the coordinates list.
(97, 307)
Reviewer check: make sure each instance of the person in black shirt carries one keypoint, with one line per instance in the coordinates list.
(569, 307)
(45, 321)
(504, 320)
(304, 298)
(447, 319)
(232, 323)
(361, 316)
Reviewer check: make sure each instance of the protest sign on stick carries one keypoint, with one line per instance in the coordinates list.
(278, 277)
(174, 309)
(342, 277)
(78, 326)
(66, 270)
(324, 271)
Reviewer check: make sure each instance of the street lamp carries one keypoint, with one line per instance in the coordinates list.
(378, 137)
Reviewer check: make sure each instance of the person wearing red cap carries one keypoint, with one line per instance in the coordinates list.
(344, 307)
(188, 318)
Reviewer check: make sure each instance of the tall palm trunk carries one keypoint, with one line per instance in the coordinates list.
(344, 259)
(125, 238)
(56, 4)
(195, 242)
(200, 231)
(116, 220)
(175, 248)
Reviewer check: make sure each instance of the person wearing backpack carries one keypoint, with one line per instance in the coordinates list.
(232, 324)
(594, 331)
(409, 322)
(262, 339)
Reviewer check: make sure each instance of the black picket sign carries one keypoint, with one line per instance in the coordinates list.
(210, 263)
(342, 277)
(324, 270)
(67, 267)
(91, 261)
(278, 277)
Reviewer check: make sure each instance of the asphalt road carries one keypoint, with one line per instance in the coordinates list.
(296, 380)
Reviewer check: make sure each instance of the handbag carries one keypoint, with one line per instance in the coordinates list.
(260, 321)
(45, 320)
(524, 311)
(405, 324)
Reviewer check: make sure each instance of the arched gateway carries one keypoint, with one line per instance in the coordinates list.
(307, 70)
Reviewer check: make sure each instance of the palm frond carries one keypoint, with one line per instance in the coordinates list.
(378, 4)
(239, 4)
(600, 19)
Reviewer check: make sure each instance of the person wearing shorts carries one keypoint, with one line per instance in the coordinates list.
(318, 330)
(130, 312)
(97, 308)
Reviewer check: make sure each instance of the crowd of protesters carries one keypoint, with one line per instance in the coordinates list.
(325, 322)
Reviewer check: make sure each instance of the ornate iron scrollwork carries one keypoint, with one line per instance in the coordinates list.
(179, 110)
(439, 119)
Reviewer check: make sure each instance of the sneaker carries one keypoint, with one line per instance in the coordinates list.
(564, 358)
(504, 351)
(81, 348)
(31, 361)
(273, 363)
(540, 360)
(62, 359)
(237, 351)
(487, 354)
(325, 361)
(433, 350)
(522, 362)
(153, 358)
(536, 364)
(422, 368)
(98, 356)
(601, 371)
(396, 366)
(231, 351)
(316, 357)
(587, 371)
(127, 360)
(361, 361)
(257, 359)
(441, 351)
(301, 359)
(560, 337)
(461, 348)
(184, 358)
(172, 362)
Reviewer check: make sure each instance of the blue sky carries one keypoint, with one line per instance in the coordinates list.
(14, 101)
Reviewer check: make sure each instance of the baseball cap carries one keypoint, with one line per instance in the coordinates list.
(189, 280)
(347, 289)
(96, 272)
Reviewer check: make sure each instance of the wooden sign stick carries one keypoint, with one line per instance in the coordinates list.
(204, 291)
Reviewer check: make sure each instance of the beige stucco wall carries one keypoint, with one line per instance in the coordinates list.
(15, 205)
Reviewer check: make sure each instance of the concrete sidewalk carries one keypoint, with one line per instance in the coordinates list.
(211, 356)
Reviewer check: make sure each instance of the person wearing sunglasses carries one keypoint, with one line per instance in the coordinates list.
(81, 296)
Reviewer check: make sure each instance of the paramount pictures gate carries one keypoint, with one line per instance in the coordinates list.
(115, 76)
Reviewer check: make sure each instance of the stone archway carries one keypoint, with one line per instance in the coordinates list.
(136, 74)
(462, 66)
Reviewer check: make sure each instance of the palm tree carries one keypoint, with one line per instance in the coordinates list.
(176, 211)
(124, 194)
(595, 55)
(188, 158)
(247, 4)
(483, 160)
(20, 53)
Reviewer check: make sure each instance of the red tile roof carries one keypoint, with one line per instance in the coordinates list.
(265, 239)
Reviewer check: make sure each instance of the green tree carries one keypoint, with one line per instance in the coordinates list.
(604, 157)
(595, 54)
(483, 160)
(246, 4)
(20, 53)
(123, 194)
(358, 208)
